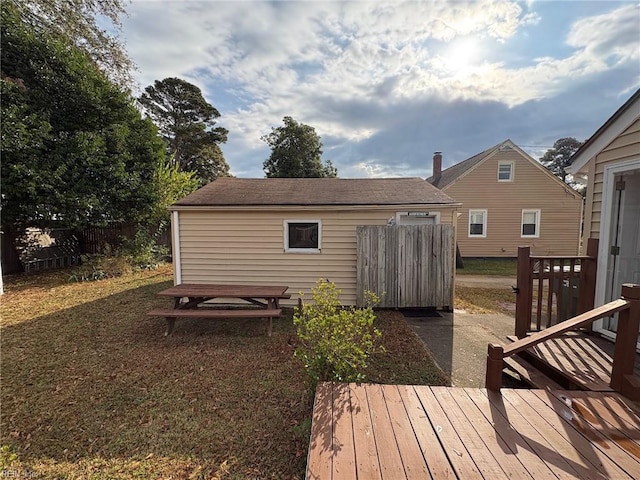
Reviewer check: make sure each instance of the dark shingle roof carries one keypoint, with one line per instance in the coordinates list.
(452, 173)
(315, 191)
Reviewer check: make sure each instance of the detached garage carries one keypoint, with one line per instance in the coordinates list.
(293, 231)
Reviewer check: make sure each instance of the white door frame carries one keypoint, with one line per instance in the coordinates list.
(608, 195)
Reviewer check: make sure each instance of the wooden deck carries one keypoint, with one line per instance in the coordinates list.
(404, 432)
(584, 361)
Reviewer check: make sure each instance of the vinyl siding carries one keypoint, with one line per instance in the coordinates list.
(625, 147)
(247, 247)
(532, 188)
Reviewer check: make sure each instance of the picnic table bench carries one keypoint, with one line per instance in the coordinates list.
(189, 297)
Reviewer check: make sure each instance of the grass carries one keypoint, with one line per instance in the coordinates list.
(91, 389)
(485, 300)
(488, 266)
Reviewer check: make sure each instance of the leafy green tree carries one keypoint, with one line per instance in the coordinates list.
(171, 185)
(76, 22)
(556, 159)
(296, 152)
(187, 123)
(75, 150)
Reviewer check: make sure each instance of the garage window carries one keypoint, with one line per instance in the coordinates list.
(302, 236)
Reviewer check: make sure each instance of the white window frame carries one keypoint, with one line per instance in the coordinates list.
(401, 215)
(301, 250)
(537, 211)
(512, 167)
(484, 212)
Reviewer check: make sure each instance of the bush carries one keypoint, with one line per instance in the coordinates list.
(139, 253)
(335, 342)
(143, 252)
(100, 266)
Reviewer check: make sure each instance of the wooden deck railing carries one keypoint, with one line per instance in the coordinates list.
(571, 281)
(622, 378)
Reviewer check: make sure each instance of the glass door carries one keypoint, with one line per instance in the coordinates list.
(623, 265)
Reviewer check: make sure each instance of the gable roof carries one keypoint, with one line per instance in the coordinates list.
(609, 131)
(461, 169)
(454, 172)
(315, 192)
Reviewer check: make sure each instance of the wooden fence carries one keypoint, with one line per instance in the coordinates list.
(65, 246)
(406, 266)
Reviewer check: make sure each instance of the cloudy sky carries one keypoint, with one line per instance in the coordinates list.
(387, 84)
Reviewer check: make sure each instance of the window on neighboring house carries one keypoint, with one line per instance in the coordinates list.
(477, 223)
(302, 236)
(505, 171)
(530, 223)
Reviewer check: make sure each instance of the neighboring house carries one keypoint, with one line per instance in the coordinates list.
(508, 200)
(292, 231)
(610, 161)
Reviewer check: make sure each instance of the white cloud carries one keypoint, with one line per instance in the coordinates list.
(311, 59)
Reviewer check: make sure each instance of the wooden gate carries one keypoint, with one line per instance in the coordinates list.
(406, 266)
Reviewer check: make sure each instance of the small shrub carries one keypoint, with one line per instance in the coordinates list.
(335, 342)
(99, 266)
(141, 252)
(8, 458)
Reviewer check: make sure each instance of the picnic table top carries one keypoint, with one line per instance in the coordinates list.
(225, 291)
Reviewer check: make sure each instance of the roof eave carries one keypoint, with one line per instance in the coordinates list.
(612, 128)
(384, 206)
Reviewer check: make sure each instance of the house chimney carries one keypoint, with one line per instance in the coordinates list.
(437, 167)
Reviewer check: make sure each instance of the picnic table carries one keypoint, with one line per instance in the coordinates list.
(189, 299)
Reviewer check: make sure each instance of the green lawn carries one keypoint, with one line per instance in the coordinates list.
(92, 389)
(488, 266)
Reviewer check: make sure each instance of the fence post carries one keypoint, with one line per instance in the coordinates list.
(493, 378)
(588, 270)
(523, 292)
(624, 355)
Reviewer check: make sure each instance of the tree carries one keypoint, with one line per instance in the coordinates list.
(76, 22)
(187, 123)
(556, 159)
(171, 185)
(296, 151)
(75, 150)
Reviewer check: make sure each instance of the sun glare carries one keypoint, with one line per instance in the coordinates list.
(462, 56)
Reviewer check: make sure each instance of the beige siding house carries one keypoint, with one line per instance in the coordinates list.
(610, 163)
(286, 231)
(508, 200)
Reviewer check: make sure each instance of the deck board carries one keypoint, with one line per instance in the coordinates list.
(400, 432)
(613, 457)
(461, 461)
(533, 439)
(489, 435)
(585, 443)
(367, 464)
(387, 446)
(343, 467)
(510, 436)
(482, 457)
(583, 359)
(321, 448)
(432, 451)
(413, 461)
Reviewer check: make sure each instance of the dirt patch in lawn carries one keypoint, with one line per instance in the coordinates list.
(485, 300)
